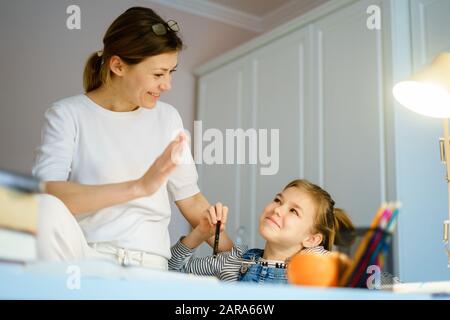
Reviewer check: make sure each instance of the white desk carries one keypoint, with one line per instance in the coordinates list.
(104, 280)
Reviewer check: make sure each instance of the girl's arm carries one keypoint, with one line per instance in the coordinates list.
(89, 198)
(193, 239)
(183, 250)
(194, 209)
(183, 261)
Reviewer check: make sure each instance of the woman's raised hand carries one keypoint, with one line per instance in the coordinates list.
(163, 166)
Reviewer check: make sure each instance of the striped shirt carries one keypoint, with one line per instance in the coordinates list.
(226, 266)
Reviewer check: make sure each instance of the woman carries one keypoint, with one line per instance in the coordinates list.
(97, 148)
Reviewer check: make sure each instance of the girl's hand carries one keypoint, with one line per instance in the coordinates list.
(163, 166)
(206, 228)
(207, 225)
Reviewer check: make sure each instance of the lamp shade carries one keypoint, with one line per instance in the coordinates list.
(428, 91)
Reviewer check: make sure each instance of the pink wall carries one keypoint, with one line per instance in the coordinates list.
(205, 39)
(44, 62)
(41, 61)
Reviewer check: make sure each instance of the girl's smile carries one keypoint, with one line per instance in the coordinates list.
(273, 221)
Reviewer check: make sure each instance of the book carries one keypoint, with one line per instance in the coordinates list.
(19, 182)
(18, 210)
(18, 217)
(17, 246)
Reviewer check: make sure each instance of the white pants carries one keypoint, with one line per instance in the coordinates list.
(60, 238)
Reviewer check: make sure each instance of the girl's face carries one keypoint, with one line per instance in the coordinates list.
(143, 83)
(289, 219)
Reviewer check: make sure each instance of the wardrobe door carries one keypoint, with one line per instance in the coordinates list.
(224, 97)
(281, 78)
(349, 116)
(430, 30)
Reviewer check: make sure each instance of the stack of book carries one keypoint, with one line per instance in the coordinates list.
(372, 249)
(18, 217)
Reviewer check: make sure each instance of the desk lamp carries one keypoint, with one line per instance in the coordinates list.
(428, 93)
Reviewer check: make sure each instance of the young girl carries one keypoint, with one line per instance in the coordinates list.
(301, 217)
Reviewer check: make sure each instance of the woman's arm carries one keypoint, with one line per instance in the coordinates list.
(80, 198)
(196, 207)
(89, 198)
(206, 228)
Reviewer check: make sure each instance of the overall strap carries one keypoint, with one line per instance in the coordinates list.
(252, 254)
(250, 257)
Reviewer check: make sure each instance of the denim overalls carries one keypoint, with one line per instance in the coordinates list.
(252, 271)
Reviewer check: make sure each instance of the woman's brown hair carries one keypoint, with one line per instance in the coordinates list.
(333, 223)
(131, 37)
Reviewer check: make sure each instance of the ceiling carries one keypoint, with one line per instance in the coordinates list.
(255, 15)
(257, 8)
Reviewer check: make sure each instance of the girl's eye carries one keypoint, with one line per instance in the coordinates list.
(158, 75)
(171, 71)
(276, 200)
(294, 212)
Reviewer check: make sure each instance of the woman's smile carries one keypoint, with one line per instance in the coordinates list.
(153, 98)
(156, 95)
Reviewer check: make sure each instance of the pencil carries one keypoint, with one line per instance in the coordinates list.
(362, 246)
(216, 239)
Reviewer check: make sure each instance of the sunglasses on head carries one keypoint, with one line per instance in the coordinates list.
(161, 29)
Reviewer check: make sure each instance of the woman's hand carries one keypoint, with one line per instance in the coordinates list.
(163, 166)
(207, 226)
(80, 198)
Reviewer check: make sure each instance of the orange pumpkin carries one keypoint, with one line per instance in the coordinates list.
(310, 269)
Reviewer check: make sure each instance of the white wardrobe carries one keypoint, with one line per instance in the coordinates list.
(324, 80)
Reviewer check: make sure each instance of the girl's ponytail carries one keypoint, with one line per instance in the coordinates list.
(344, 229)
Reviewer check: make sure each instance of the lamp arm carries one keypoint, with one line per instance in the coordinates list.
(447, 167)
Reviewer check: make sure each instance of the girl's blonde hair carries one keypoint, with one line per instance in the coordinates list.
(131, 37)
(333, 223)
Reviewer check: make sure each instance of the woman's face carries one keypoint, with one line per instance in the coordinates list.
(288, 220)
(144, 82)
